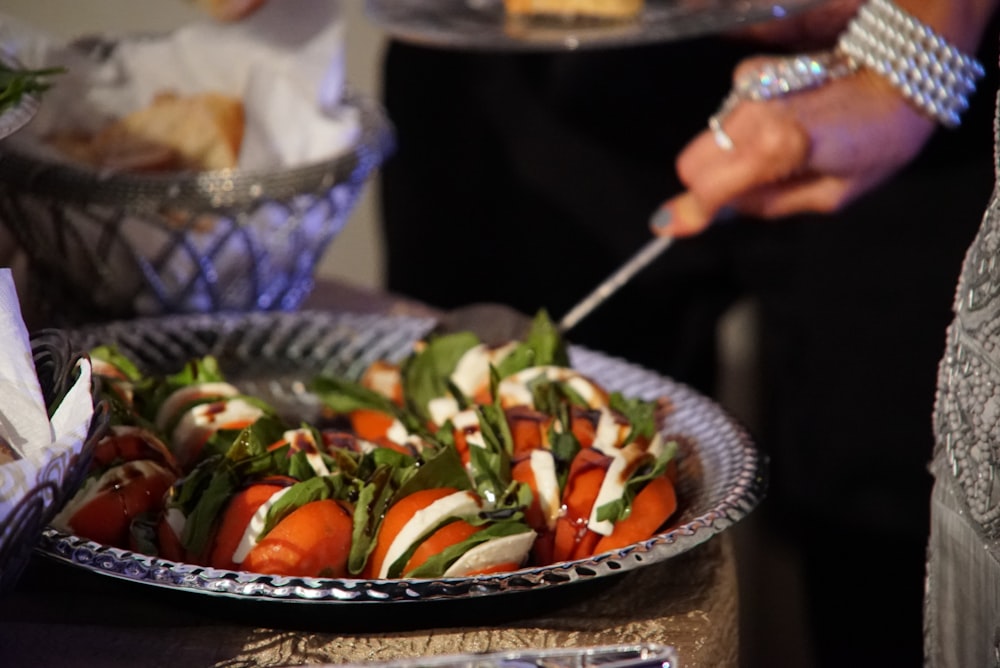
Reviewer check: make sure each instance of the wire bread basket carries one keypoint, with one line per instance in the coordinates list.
(105, 246)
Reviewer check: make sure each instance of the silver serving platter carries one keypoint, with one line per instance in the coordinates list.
(484, 25)
(273, 354)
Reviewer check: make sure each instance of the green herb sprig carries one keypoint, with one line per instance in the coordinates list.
(16, 83)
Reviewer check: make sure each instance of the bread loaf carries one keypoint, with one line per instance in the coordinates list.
(174, 132)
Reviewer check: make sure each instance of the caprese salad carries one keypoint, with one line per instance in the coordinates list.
(463, 459)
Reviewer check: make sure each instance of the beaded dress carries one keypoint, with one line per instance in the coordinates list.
(962, 602)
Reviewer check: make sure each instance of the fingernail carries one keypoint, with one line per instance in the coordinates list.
(662, 219)
(726, 214)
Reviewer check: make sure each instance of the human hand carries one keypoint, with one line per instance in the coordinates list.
(812, 151)
(814, 132)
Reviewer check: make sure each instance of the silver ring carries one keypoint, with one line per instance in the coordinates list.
(715, 121)
(777, 78)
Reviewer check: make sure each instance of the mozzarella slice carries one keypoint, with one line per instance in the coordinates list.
(185, 395)
(613, 486)
(501, 550)
(543, 467)
(467, 422)
(255, 526)
(459, 503)
(397, 433)
(610, 432)
(203, 420)
(472, 372)
(515, 390)
(384, 378)
(442, 409)
(302, 440)
(176, 520)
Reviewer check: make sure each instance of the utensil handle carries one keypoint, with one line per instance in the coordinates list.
(649, 252)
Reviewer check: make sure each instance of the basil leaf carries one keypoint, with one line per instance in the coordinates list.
(564, 446)
(343, 396)
(640, 413)
(620, 508)
(372, 501)
(426, 374)
(544, 338)
(491, 468)
(436, 566)
(250, 441)
(202, 520)
(441, 468)
(317, 488)
(542, 346)
(299, 466)
(156, 390)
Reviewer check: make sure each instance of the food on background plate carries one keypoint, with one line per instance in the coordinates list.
(229, 10)
(462, 459)
(197, 132)
(571, 9)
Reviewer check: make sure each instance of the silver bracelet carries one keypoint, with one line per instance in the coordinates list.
(930, 72)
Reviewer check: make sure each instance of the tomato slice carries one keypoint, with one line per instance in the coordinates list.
(314, 540)
(234, 521)
(529, 429)
(371, 424)
(448, 535)
(583, 425)
(127, 443)
(651, 508)
(573, 540)
(169, 543)
(396, 519)
(523, 472)
(123, 492)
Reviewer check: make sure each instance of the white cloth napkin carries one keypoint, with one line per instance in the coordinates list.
(285, 61)
(24, 421)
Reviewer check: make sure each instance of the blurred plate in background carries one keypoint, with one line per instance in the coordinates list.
(484, 25)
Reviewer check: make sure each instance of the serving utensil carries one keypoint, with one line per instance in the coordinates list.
(497, 323)
(649, 252)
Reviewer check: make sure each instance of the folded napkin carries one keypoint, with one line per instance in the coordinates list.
(38, 447)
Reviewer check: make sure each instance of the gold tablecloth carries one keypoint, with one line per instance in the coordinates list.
(60, 615)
